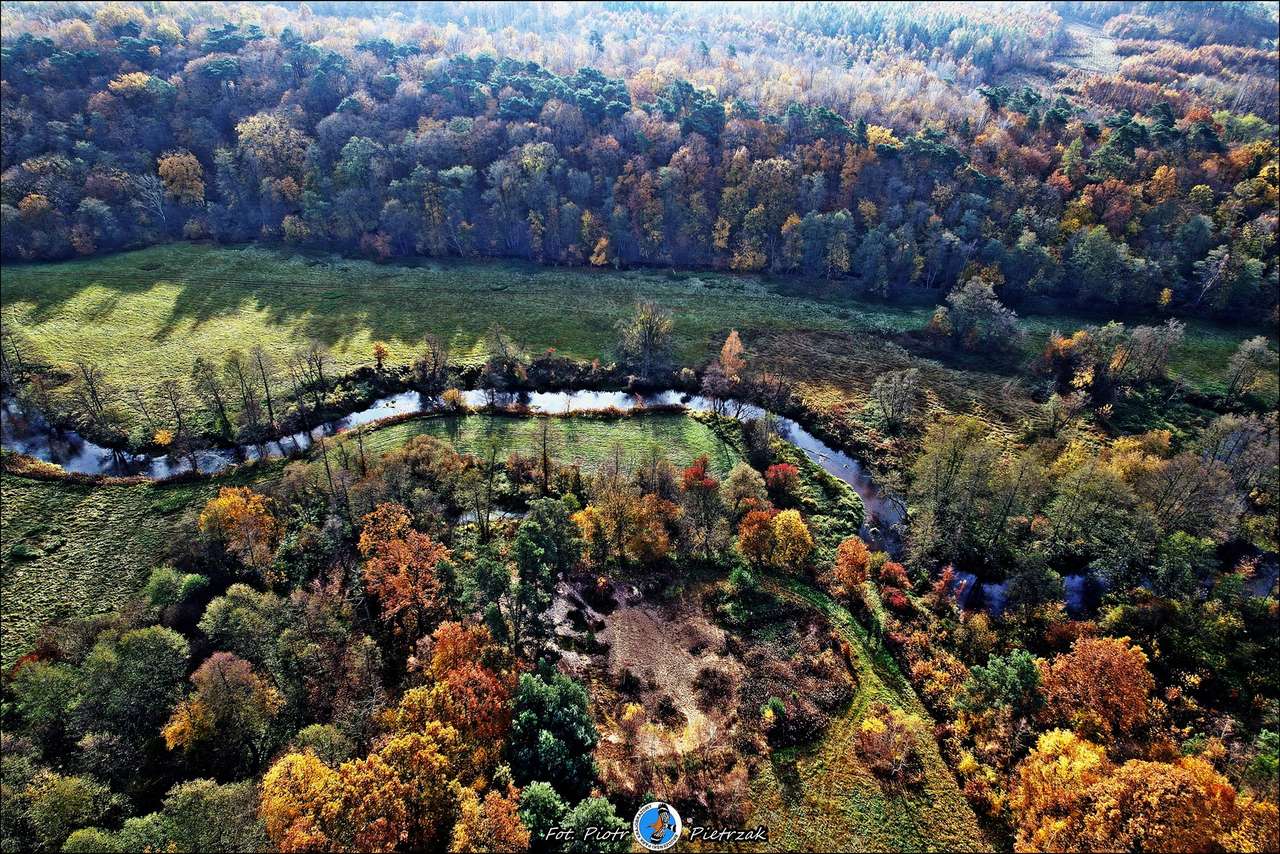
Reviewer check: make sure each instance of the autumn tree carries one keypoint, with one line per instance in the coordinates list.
(1069, 797)
(756, 538)
(852, 559)
(732, 363)
(241, 521)
(402, 569)
(743, 489)
(702, 505)
(1101, 688)
(783, 479)
(792, 541)
(1050, 788)
(402, 794)
(183, 177)
(488, 824)
(228, 716)
(888, 741)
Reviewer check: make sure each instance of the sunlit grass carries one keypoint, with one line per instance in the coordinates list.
(823, 798)
(582, 440)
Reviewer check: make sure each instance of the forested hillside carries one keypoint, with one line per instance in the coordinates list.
(561, 427)
(884, 147)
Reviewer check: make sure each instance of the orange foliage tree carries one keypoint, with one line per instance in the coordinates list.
(401, 568)
(852, 560)
(403, 795)
(755, 536)
(491, 825)
(1069, 797)
(1100, 688)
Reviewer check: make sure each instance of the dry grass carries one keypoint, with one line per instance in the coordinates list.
(823, 798)
(835, 372)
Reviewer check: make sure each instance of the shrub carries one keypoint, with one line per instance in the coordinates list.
(888, 743)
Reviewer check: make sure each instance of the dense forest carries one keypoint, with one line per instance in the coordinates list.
(454, 427)
(886, 148)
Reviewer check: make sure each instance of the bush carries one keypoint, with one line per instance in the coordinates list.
(888, 743)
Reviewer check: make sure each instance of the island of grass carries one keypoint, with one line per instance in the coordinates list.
(73, 548)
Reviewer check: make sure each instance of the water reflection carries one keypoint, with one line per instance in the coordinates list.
(31, 434)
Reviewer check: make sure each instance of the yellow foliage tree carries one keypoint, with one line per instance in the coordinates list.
(792, 541)
(242, 521)
(183, 177)
(1050, 787)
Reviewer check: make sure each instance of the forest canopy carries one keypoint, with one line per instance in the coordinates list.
(885, 147)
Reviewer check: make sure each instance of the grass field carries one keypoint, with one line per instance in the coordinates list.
(150, 312)
(74, 549)
(145, 315)
(586, 441)
(822, 798)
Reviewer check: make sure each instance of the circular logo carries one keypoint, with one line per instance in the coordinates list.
(657, 826)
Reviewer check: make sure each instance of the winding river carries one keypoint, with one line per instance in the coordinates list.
(29, 433)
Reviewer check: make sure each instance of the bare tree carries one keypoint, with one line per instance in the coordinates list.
(12, 363)
(239, 374)
(1253, 364)
(317, 359)
(138, 401)
(431, 368)
(171, 392)
(173, 395)
(148, 197)
(266, 370)
(306, 369)
(208, 385)
(547, 442)
(96, 396)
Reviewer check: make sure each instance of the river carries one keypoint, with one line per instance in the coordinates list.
(30, 433)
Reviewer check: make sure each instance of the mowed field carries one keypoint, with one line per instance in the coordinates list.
(586, 441)
(145, 315)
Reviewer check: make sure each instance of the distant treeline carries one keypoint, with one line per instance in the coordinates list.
(879, 153)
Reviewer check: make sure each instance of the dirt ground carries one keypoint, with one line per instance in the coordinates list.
(664, 647)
